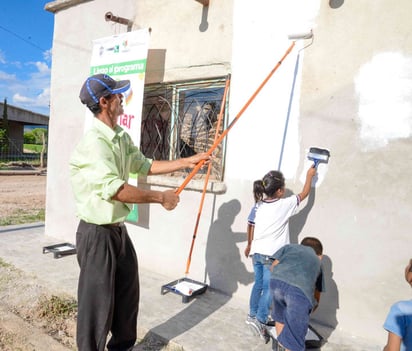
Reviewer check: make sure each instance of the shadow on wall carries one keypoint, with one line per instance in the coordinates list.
(204, 24)
(298, 221)
(324, 318)
(225, 271)
(335, 4)
(223, 263)
(155, 65)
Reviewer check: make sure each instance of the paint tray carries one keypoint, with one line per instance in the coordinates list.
(60, 250)
(185, 287)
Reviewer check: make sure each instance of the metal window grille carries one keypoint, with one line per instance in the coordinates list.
(180, 120)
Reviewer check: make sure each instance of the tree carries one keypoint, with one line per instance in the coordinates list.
(4, 140)
(29, 138)
(41, 136)
(5, 118)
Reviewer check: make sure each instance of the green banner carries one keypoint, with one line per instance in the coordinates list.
(120, 68)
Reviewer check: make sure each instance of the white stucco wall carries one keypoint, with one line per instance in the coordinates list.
(76, 27)
(351, 95)
(357, 105)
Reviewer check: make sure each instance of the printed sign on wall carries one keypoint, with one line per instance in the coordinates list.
(124, 56)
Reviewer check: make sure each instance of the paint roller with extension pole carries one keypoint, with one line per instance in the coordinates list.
(175, 286)
(294, 38)
(318, 155)
(300, 36)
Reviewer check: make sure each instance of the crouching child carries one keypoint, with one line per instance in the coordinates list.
(295, 285)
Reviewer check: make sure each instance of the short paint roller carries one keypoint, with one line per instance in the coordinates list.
(318, 155)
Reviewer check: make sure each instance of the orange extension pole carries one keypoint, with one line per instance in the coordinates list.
(220, 138)
(209, 169)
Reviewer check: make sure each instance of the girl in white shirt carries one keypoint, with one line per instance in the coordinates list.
(268, 231)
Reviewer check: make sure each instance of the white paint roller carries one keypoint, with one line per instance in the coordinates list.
(301, 35)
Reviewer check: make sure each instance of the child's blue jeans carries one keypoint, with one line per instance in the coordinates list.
(291, 308)
(260, 299)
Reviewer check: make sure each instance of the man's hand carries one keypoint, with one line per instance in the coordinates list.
(170, 199)
(192, 161)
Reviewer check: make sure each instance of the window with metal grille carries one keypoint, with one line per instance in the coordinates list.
(180, 120)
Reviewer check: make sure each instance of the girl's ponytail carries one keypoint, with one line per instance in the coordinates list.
(258, 190)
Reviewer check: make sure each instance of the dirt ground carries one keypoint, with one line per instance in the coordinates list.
(23, 323)
(22, 192)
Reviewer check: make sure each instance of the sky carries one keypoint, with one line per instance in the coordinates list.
(26, 34)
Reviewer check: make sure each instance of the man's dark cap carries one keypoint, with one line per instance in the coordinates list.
(101, 85)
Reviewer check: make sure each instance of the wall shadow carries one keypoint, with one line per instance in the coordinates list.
(204, 24)
(298, 221)
(324, 318)
(155, 65)
(223, 262)
(335, 4)
(224, 269)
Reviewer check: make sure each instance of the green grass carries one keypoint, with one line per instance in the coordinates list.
(56, 306)
(33, 147)
(22, 217)
(21, 161)
(4, 263)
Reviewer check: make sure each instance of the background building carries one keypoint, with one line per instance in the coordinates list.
(349, 90)
(17, 120)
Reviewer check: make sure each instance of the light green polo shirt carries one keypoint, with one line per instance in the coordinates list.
(99, 166)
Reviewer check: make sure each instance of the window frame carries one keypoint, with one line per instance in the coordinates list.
(172, 93)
